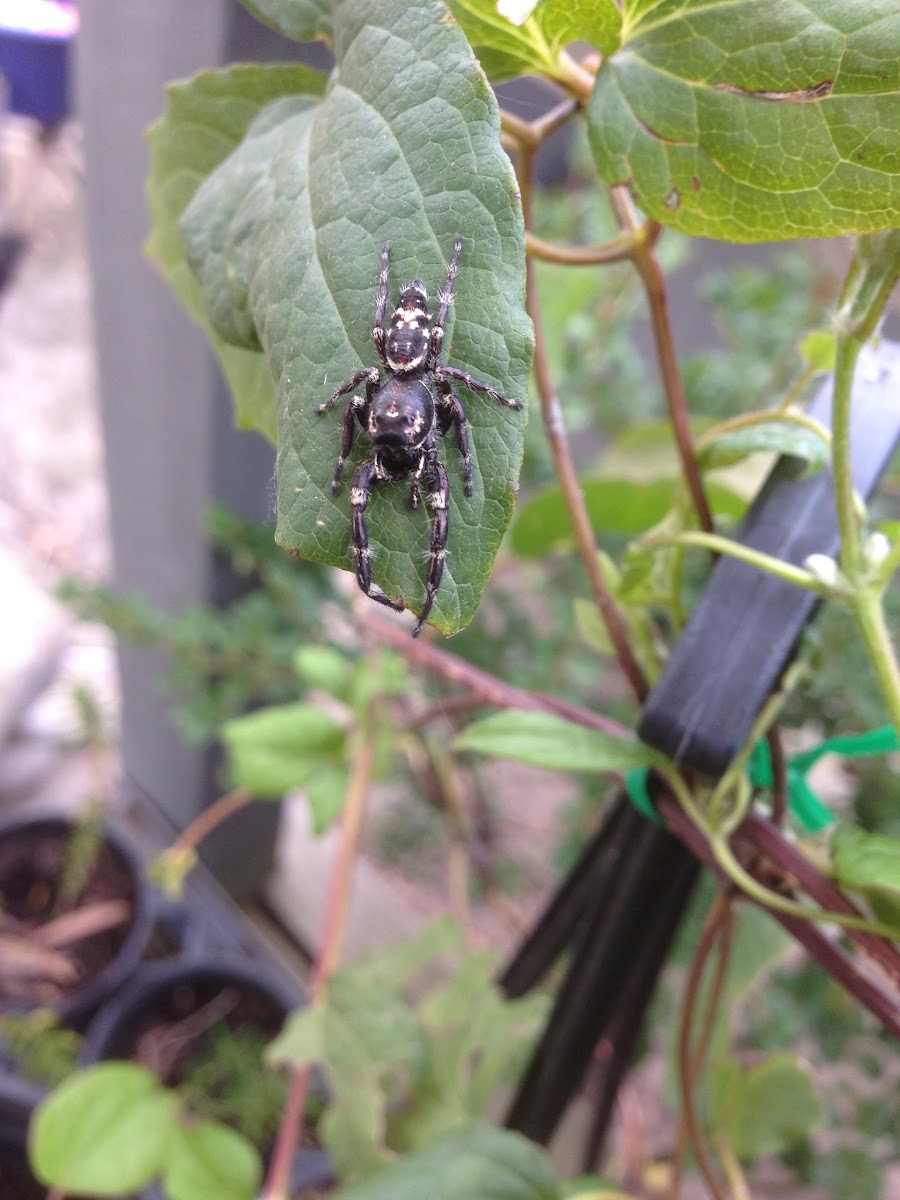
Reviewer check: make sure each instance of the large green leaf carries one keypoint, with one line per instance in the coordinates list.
(306, 20)
(103, 1132)
(285, 238)
(750, 122)
(547, 741)
(204, 120)
(478, 1163)
(281, 747)
(209, 1161)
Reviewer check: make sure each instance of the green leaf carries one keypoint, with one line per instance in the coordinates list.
(204, 120)
(819, 348)
(762, 1109)
(506, 49)
(301, 1041)
(547, 741)
(478, 1163)
(209, 1161)
(752, 122)
(285, 239)
(103, 1132)
(323, 667)
(281, 747)
(596, 21)
(305, 20)
(616, 506)
(869, 863)
(325, 792)
(780, 437)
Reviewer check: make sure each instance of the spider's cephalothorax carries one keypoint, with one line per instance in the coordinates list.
(402, 416)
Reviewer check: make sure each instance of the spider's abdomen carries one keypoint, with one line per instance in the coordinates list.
(401, 415)
(409, 331)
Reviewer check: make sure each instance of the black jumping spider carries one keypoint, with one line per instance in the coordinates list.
(402, 417)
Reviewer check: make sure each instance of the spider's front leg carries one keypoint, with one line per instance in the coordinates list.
(443, 373)
(436, 338)
(364, 479)
(355, 409)
(438, 500)
(381, 306)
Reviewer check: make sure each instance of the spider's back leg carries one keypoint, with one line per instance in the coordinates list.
(438, 501)
(364, 479)
(451, 414)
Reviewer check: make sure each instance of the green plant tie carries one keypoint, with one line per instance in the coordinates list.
(806, 806)
(639, 794)
(803, 802)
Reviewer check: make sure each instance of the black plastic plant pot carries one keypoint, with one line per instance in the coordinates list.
(186, 994)
(171, 991)
(84, 969)
(18, 1100)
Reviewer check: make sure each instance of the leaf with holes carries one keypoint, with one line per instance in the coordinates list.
(507, 47)
(306, 20)
(752, 122)
(204, 120)
(285, 239)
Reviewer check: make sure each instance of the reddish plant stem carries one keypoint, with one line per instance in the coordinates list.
(766, 839)
(881, 1003)
(488, 688)
(716, 930)
(647, 266)
(565, 468)
(779, 775)
(334, 925)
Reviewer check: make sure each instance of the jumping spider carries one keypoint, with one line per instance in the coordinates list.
(402, 417)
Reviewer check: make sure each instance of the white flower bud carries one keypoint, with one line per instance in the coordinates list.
(876, 548)
(823, 568)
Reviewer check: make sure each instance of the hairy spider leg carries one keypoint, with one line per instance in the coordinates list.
(364, 479)
(474, 385)
(381, 305)
(437, 329)
(356, 408)
(438, 500)
(450, 415)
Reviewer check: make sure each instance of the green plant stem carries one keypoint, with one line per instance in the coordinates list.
(869, 613)
(573, 496)
(647, 266)
(748, 420)
(724, 545)
(760, 837)
(209, 819)
(758, 892)
(616, 250)
(333, 930)
(848, 349)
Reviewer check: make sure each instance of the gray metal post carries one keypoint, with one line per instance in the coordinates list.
(170, 446)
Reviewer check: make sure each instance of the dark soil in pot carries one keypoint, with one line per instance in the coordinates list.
(201, 1026)
(67, 951)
